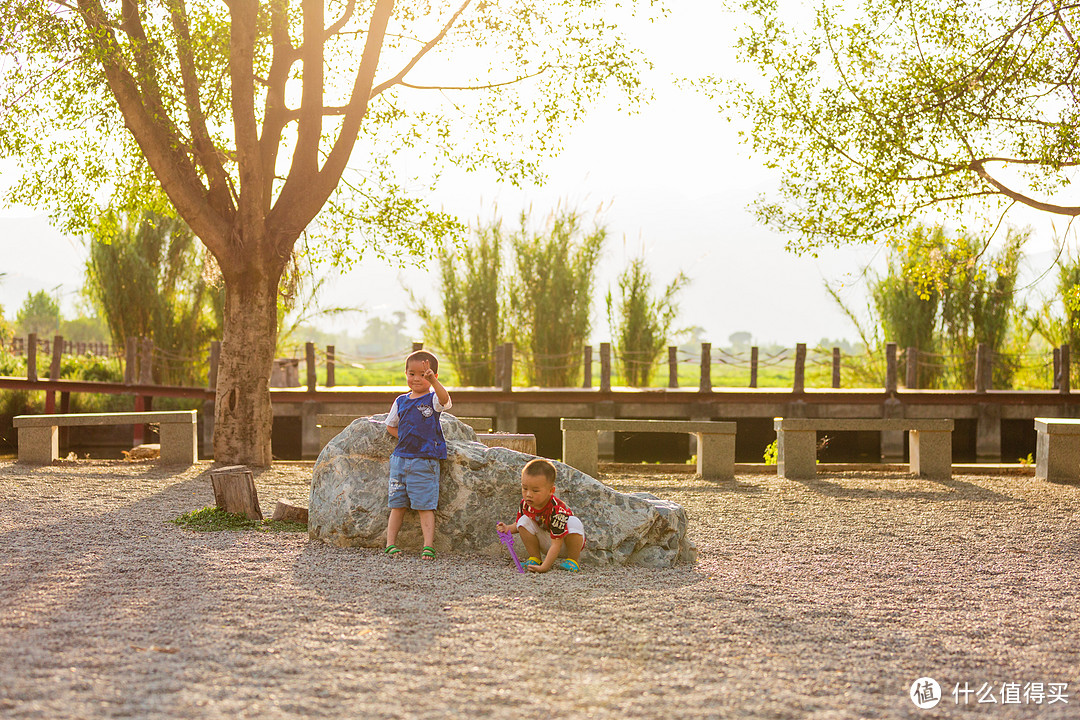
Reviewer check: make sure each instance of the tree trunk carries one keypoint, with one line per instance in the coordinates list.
(243, 417)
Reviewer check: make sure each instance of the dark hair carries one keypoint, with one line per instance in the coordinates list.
(541, 466)
(421, 356)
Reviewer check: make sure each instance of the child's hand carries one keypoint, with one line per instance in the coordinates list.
(537, 568)
(429, 374)
(502, 527)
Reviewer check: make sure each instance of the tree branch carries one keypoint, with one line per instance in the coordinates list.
(305, 164)
(156, 136)
(303, 196)
(979, 167)
(423, 51)
(342, 21)
(205, 151)
(276, 114)
(251, 220)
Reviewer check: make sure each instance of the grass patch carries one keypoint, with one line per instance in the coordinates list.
(214, 519)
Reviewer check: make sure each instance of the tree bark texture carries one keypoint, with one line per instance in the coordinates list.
(243, 417)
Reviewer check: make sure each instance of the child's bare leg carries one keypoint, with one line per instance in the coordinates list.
(427, 526)
(397, 515)
(532, 545)
(574, 543)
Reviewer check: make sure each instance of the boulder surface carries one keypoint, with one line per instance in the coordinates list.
(479, 487)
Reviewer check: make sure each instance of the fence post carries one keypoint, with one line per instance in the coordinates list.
(129, 361)
(309, 361)
(146, 362)
(508, 367)
(605, 367)
(799, 385)
(911, 363)
(209, 405)
(587, 381)
(890, 368)
(330, 366)
(1065, 381)
(753, 366)
(499, 367)
(57, 351)
(836, 368)
(705, 384)
(673, 366)
(981, 358)
(417, 346)
(54, 372)
(1055, 378)
(31, 357)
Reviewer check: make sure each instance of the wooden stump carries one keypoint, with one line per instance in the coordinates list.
(234, 491)
(289, 513)
(521, 442)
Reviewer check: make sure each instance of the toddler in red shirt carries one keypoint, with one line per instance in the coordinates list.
(544, 521)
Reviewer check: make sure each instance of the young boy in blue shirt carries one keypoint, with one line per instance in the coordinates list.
(414, 464)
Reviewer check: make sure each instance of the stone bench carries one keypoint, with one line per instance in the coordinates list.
(715, 442)
(330, 425)
(39, 444)
(929, 443)
(1057, 449)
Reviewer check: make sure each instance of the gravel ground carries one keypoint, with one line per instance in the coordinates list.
(822, 599)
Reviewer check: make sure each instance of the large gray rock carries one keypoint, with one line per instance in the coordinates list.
(479, 487)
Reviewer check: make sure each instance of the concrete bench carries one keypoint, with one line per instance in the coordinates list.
(929, 443)
(715, 441)
(330, 425)
(39, 444)
(1057, 449)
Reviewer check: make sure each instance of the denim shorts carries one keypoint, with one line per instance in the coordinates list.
(414, 483)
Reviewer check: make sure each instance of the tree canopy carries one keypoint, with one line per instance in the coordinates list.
(40, 314)
(262, 121)
(878, 113)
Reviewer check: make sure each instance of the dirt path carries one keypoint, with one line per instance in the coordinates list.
(822, 599)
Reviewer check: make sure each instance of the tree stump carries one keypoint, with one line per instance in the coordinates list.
(521, 442)
(234, 491)
(289, 513)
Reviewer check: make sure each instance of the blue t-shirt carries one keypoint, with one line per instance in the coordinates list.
(419, 430)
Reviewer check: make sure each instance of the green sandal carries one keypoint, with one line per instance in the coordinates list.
(428, 553)
(392, 550)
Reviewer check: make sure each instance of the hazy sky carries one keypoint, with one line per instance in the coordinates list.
(675, 184)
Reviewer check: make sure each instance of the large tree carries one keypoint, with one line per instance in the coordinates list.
(878, 113)
(249, 113)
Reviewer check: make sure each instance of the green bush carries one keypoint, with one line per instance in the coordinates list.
(11, 365)
(91, 368)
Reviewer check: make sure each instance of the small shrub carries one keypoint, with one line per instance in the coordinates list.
(91, 368)
(11, 365)
(771, 453)
(214, 519)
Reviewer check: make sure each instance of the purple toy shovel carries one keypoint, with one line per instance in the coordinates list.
(508, 541)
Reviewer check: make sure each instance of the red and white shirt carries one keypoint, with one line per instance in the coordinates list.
(551, 518)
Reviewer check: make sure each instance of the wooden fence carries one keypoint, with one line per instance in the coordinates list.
(140, 359)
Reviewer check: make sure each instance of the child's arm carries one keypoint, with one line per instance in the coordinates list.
(503, 527)
(440, 391)
(392, 420)
(550, 558)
